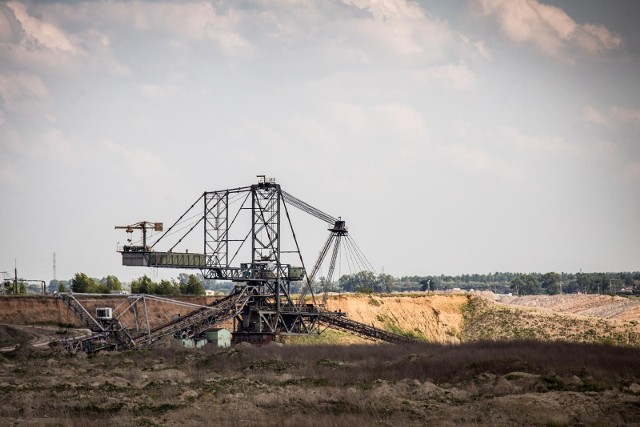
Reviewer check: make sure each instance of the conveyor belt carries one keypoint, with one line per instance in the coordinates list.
(197, 320)
(77, 308)
(361, 329)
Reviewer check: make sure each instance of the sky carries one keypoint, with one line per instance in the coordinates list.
(453, 137)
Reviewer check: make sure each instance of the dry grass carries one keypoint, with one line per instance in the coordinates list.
(506, 383)
(486, 320)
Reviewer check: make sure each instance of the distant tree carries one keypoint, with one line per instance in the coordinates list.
(194, 286)
(143, 285)
(83, 284)
(627, 279)
(62, 287)
(183, 278)
(426, 284)
(34, 288)
(385, 283)
(22, 287)
(551, 283)
(111, 283)
(600, 283)
(584, 282)
(362, 279)
(324, 285)
(166, 287)
(526, 284)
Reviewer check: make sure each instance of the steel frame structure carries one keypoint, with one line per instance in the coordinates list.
(271, 310)
(261, 304)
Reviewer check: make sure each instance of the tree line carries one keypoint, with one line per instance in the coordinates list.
(551, 283)
(367, 282)
(185, 284)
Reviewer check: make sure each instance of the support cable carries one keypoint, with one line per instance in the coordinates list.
(295, 240)
(179, 219)
(305, 207)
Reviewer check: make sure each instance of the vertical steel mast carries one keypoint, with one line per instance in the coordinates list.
(269, 310)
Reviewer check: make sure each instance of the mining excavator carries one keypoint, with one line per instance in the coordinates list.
(253, 221)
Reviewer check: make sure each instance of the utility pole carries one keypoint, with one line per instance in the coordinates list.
(15, 282)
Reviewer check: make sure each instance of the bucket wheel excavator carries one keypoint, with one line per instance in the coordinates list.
(262, 303)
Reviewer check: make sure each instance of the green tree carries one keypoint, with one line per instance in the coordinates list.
(360, 280)
(143, 285)
(427, 284)
(84, 284)
(551, 283)
(62, 287)
(22, 287)
(600, 283)
(526, 284)
(111, 283)
(169, 288)
(584, 282)
(385, 283)
(194, 286)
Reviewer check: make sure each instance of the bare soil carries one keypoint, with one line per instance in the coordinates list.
(481, 372)
(489, 383)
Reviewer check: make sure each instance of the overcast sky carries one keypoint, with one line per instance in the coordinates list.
(453, 137)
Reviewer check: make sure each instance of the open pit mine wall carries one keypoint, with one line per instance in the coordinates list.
(28, 310)
(434, 318)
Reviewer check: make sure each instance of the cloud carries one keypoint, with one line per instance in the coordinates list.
(10, 140)
(453, 76)
(592, 115)
(8, 174)
(400, 118)
(396, 119)
(475, 161)
(626, 116)
(15, 87)
(531, 143)
(616, 117)
(140, 161)
(41, 32)
(10, 30)
(55, 143)
(402, 26)
(164, 91)
(186, 21)
(35, 38)
(548, 28)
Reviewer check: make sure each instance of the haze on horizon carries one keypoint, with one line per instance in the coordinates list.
(469, 136)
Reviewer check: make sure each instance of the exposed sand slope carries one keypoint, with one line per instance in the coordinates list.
(434, 318)
(26, 310)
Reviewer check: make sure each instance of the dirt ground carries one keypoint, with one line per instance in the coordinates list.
(499, 383)
(480, 372)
